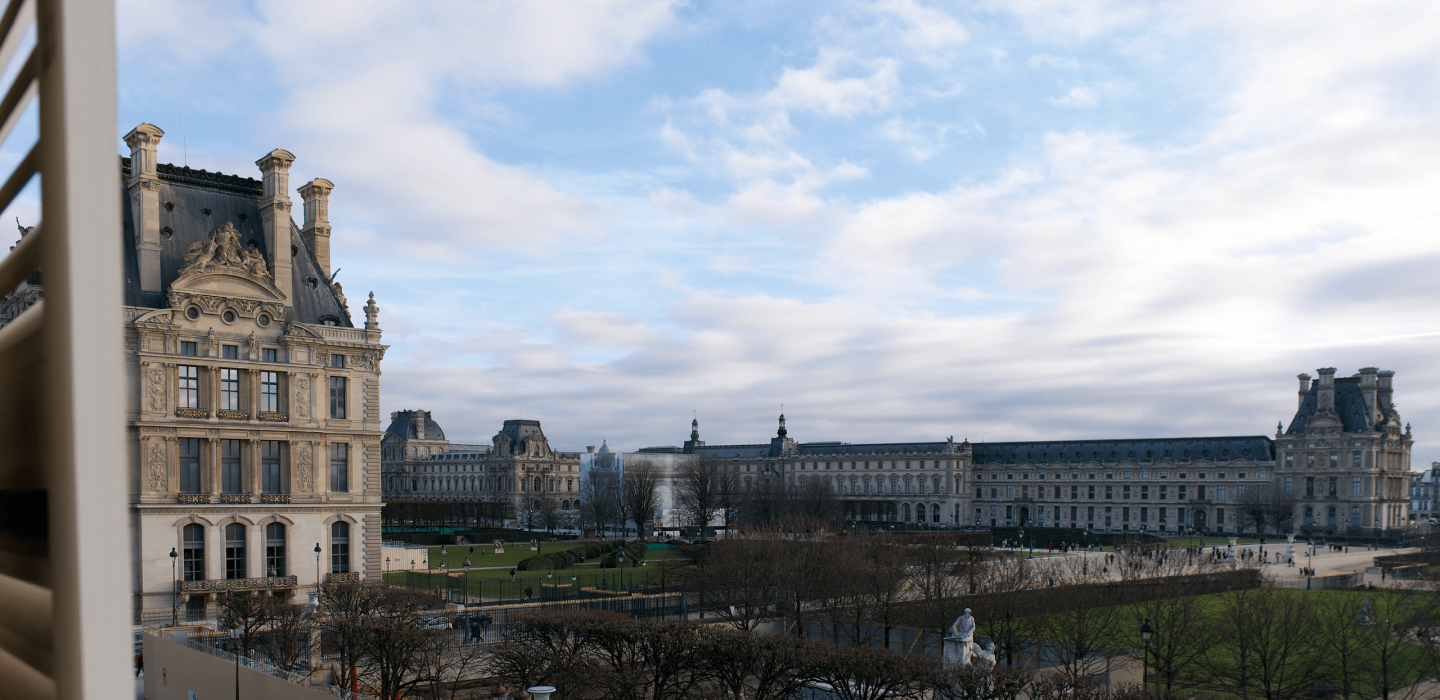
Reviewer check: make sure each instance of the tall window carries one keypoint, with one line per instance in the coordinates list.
(1354, 486)
(1289, 485)
(230, 481)
(229, 389)
(189, 386)
(193, 542)
(270, 392)
(274, 549)
(189, 465)
(270, 466)
(234, 550)
(340, 547)
(339, 467)
(337, 397)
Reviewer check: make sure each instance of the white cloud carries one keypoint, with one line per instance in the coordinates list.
(1077, 97)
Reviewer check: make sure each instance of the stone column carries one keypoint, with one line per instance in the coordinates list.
(252, 467)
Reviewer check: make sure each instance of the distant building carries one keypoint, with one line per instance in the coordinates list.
(1425, 493)
(517, 470)
(1342, 466)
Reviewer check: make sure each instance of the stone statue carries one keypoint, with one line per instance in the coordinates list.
(223, 251)
(959, 645)
(340, 296)
(1365, 618)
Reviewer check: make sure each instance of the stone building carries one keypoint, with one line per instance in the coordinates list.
(254, 404)
(1341, 467)
(517, 470)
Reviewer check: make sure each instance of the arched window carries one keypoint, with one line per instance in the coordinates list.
(193, 538)
(935, 512)
(234, 550)
(565, 505)
(905, 510)
(274, 549)
(340, 547)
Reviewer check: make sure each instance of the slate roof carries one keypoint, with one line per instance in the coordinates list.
(1253, 447)
(402, 426)
(1348, 403)
(186, 195)
(733, 451)
(880, 448)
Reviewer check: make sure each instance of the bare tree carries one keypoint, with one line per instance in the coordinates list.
(1264, 642)
(247, 614)
(698, 493)
(599, 500)
(547, 512)
(640, 493)
(286, 642)
(737, 578)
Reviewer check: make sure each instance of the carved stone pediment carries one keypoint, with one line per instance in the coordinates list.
(220, 267)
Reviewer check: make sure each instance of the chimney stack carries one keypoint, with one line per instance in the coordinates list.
(1326, 384)
(274, 212)
(1386, 391)
(316, 231)
(1304, 389)
(144, 190)
(1368, 394)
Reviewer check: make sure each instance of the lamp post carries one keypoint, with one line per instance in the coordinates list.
(235, 635)
(1145, 631)
(467, 594)
(174, 590)
(317, 567)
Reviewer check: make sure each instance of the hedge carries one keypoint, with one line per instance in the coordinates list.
(561, 560)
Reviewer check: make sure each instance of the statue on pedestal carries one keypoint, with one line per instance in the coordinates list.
(960, 646)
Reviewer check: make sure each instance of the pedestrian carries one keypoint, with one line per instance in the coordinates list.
(139, 664)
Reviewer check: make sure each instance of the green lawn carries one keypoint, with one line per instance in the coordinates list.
(490, 572)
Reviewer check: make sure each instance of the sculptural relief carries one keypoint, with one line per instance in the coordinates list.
(304, 474)
(302, 396)
(157, 467)
(155, 387)
(223, 251)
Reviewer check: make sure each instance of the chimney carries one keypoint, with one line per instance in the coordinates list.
(1304, 389)
(316, 231)
(274, 212)
(590, 449)
(417, 419)
(1385, 391)
(144, 189)
(1326, 382)
(1368, 394)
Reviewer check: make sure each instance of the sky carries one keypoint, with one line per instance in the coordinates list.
(901, 220)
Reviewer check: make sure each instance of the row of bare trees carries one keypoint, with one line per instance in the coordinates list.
(611, 501)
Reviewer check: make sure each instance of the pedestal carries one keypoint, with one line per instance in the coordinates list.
(956, 651)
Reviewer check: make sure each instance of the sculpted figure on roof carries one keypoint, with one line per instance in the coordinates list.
(223, 251)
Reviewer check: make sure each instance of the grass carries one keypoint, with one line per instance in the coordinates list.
(490, 572)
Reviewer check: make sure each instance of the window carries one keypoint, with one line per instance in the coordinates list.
(230, 477)
(1289, 485)
(270, 467)
(274, 549)
(1180, 492)
(1125, 494)
(1219, 493)
(189, 466)
(340, 547)
(337, 397)
(230, 352)
(188, 348)
(339, 467)
(1162, 491)
(269, 355)
(270, 392)
(1109, 493)
(1355, 486)
(234, 550)
(193, 542)
(1333, 489)
(1334, 460)
(189, 386)
(1200, 492)
(1355, 461)
(1290, 461)
(337, 361)
(229, 389)
(1310, 486)
(1144, 492)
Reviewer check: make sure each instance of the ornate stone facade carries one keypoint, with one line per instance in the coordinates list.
(254, 406)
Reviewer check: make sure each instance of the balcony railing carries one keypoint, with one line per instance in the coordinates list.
(191, 413)
(270, 417)
(274, 498)
(352, 577)
(235, 498)
(269, 583)
(233, 415)
(193, 498)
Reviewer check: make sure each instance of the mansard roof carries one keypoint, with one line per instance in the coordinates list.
(1253, 447)
(733, 451)
(196, 202)
(808, 449)
(1349, 404)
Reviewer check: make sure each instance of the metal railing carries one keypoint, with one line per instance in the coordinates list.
(268, 583)
(63, 601)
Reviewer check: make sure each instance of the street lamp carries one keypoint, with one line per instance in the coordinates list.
(317, 567)
(1145, 631)
(174, 590)
(235, 635)
(467, 594)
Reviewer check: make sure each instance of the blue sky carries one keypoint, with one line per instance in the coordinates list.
(1031, 219)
